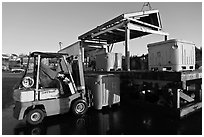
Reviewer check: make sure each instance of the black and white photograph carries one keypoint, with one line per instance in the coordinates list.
(102, 68)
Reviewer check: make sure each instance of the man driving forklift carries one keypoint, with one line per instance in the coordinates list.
(50, 91)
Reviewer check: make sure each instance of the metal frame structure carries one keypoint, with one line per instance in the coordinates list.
(180, 90)
(176, 86)
(125, 27)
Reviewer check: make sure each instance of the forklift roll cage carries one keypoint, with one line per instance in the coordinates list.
(74, 100)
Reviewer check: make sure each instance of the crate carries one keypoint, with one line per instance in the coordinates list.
(109, 61)
(104, 88)
(171, 55)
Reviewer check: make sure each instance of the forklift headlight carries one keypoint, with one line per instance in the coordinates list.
(27, 82)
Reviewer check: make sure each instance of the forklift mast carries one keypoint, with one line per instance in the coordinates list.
(78, 74)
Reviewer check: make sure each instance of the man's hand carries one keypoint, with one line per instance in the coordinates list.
(60, 75)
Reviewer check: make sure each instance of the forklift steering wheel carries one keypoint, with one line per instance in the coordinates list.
(27, 82)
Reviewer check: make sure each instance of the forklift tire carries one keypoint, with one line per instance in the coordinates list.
(79, 107)
(35, 116)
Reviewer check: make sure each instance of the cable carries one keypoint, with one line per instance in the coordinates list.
(146, 4)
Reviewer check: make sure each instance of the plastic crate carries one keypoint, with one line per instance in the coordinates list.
(173, 55)
(109, 61)
(104, 88)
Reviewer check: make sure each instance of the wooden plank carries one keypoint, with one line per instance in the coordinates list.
(159, 20)
(185, 97)
(118, 18)
(146, 75)
(133, 34)
(113, 21)
(190, 108)
(109, 29)
(122, 30)
(191, 75)
(87, 44)
(144, 29)
(109, 37)
(127, 44)
(138, 17)
(135, 14)
(143, 23)
(96, 40)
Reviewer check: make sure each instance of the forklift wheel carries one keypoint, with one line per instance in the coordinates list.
(79, 107)
(35, 116)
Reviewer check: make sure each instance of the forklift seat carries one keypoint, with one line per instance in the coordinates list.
(48, 78)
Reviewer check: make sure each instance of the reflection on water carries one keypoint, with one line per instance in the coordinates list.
(121, 120)
(128, 119)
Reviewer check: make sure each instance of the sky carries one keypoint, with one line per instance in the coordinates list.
(37, 26)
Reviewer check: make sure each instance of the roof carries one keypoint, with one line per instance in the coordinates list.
(47, 54)
(140, 23)
(88, 46)
(169, 41)
(5, 56)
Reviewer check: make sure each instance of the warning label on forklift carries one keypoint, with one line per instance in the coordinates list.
(49, 93)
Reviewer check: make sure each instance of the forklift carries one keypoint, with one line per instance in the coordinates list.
(52, 84)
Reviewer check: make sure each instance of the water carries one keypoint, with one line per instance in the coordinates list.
(126, 119)
(118, 120)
